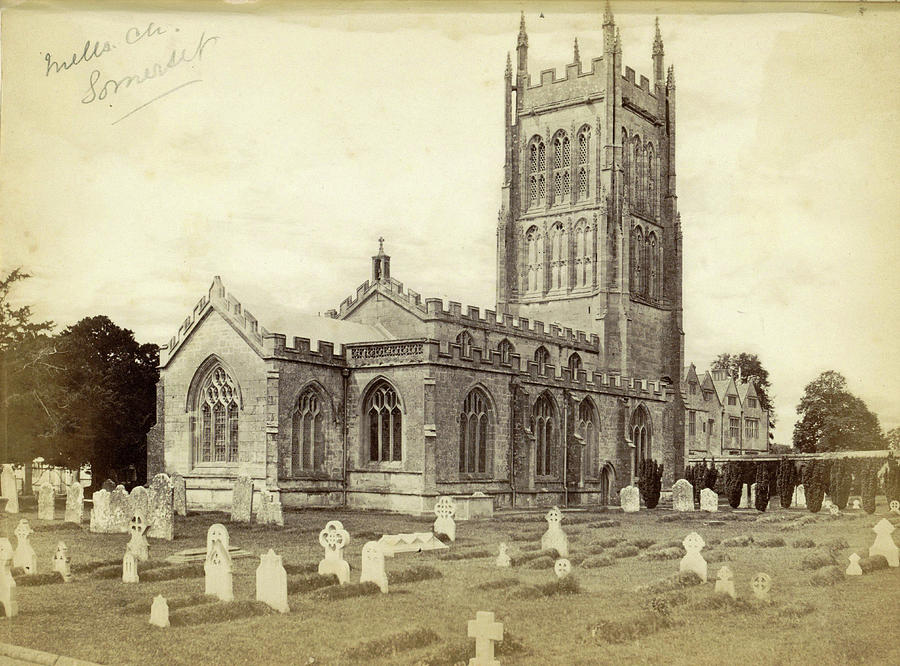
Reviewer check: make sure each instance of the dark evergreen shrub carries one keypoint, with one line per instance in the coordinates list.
(868, 484)
(787, 481)
(839, 479)
(815, 479)
(772, 475)
(892, 480)
(650, 482)
(710, 475)
(733, 484)
(762, 487)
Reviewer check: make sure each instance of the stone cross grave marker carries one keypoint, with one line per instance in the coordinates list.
(100, 513)
(120, 511)
(159, 612)
(884, 545)
(217, 532)
(333, 539)
(709, 500)
(161, 516)
(683, 495)
(46, 505)
(834, 510)
(554, 537)
(62, 563)
(218, 573)
(503, 557)
(693, 560)
(630, 499)
(242, 500)
(895, 507)
(139, 499)
(562, 567)
(129, 567)
(74, 503)
(7, 584)
(373, 565)
(725, 582)
(271, 582)
(138, 542)
(10, 489)
(485, 631)
(854, 569)
(24, 556)
(179, 494)
(761, 585)
(445, 509)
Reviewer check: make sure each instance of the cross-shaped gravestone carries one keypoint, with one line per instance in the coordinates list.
(333, 539)
(761, 584)
(725, 582)
(895, 507)
(503, 557)
(62, 562)
(373, 565)
(7, 584)
(159, 612)
(834, 510)
(24, 556)
(693, 561)
(562, 567)
(129, 567)
(485, 632)
(554, 537)
(138, 542)
(854, 569)
(445, 509)
(884, 545)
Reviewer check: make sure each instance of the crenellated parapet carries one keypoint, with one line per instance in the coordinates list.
(576, 85)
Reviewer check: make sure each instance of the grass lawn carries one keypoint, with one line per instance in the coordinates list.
(625, 605)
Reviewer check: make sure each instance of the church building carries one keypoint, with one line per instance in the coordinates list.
(392, 399)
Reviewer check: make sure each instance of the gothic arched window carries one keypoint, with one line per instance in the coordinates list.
(574, 364)
(218, 412)
(308, 433)
(587, 427)
(559, 257)
(636, 172)
(543, 426)
(385, 423)
(637, 247)
(505, 348)
(464, 340)
(475, 423)
(645, 267)
(583, 173)
(561, 164)
(651, 181)
(536, 166)
(534, 250)
(651, 259)
(542, 358)
(626, 168)
(584, 254)
(641, 436)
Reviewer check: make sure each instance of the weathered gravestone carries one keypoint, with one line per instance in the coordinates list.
(179, 494)
(24, 557)
(503, 557)
(129, 567)
(10, 489)
(562, 567)
(7, 583)
(268, 511)
(333, 539)
(630, 499)
(46, 503)
(554, 537)
(693, 561)
(162, 515)
(138, 542)
(709, 500)
(854, 569)
(895, 507)
(242, 500)
(485, 632)
(100, 513)
(752, 496)
(139, 501)
(725, 582)
(761, 586)
(217, 532)
(884, 545)
(119, 511)
(159, 612)
(444, 510)
(217, 569)
(746, 502)
(74, 503)
(62, 562)
(683, 495)
(799, 497)
(271, 582)
(373, 565)
(108, 485)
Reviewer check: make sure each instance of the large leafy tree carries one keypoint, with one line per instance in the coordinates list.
(833, 419)
(743, 367)
(893, 439)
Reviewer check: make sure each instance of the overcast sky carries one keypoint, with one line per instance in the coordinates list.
(295, 138)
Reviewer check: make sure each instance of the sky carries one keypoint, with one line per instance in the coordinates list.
(283, 140)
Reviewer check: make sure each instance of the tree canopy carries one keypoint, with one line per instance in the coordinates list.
(833, 419)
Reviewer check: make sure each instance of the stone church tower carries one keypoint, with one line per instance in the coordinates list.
(589, 234)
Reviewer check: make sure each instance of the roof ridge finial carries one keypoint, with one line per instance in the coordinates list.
(657, 41)
(577, 54)
(523, 35)
(670, 80)
(608, 15)
(617, 45)
(381, 245)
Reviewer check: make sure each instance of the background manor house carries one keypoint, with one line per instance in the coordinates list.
(410, 399)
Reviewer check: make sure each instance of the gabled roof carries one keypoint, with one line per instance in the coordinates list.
(747, 389)
(687, 373)
(724, 387)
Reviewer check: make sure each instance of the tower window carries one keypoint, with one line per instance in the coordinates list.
(561, 164)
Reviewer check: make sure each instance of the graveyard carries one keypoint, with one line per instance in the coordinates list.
(778, 588)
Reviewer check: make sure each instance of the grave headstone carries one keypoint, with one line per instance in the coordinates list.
(554, 537)
(709, 500)
(129, 567)
(139, 499)
(373, 566)
(693, 561)
(562, 567)
(725, 582)
(242, 500)
(761, 586)
(100, 513)
(444, 510)
(630, 499)
(269, 511)
(503, 557)
(62, 562)
(159, 611)
(217, 532)
(119, 510)
(827, 504)
(108, 485)
(752, 496)
(10, 489)
(217, 569)
(162, 515)
(486, 632)
(74, 503)
(746, 500)
(854, 569)
(834, 510)
(46, 504)
(24, 557)
(179, 494)
(895, 507)
(138, 542)
(884, 545)
(271, 582)
(683, 495)
(333, 539)
(800, 497)
(856, 504)
(7, 583)
(414, 542)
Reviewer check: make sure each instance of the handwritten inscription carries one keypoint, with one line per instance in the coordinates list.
(379, 351)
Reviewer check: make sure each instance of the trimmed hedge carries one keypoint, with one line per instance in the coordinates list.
(787, 482)
(815, 480)
(650, 482)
